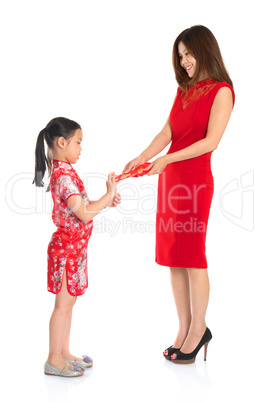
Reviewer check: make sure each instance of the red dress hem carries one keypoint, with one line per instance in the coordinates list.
(178, 265)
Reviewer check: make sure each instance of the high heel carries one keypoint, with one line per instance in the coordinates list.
(188, 358)
(205, 351)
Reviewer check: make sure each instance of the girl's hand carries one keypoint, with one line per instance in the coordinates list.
(157, 166)
(115, 200)
(134, 163)
(111, 185)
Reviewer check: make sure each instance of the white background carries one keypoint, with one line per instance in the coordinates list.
(107, 65)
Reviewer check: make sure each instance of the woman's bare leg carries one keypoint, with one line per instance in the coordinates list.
(181, 291)
(199, 290)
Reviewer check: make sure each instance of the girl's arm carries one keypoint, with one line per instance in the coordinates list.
(114, 202)
(218, 120)
(88, 212)
(160, 141)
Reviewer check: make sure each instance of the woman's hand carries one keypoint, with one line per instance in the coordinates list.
(157, 166)
(115, 200)
(134, 163)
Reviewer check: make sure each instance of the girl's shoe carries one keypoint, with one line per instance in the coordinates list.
(169, 352)
(85, 363)
(187, 358)
(74, 371)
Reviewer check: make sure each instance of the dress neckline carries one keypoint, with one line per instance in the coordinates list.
(58, 163)
(202, 82)
(197, 91)
(58, 160)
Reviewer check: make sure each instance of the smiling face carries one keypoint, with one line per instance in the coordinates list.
(187, 61)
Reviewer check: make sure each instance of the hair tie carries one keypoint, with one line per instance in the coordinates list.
(46, 130)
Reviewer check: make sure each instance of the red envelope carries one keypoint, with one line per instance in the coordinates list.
(139, 171)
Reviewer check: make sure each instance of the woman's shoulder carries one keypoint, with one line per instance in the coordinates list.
(207, 89)
(223, 84)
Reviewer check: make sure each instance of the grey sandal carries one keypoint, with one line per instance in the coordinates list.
(85, 363)
(74, 371)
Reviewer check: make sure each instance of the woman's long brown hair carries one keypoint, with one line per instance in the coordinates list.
(203, 46)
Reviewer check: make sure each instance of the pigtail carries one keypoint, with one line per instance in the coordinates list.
(40, 160)
(49, 158)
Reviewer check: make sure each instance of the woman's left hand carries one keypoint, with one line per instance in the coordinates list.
(115, 200)
(157, 166)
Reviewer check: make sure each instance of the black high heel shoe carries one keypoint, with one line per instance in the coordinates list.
(188, 358)
(170, 351)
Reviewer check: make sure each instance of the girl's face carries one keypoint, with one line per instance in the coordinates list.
(72, 147)
(187, 61)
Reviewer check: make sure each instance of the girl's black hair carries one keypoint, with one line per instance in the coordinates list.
(57, 127)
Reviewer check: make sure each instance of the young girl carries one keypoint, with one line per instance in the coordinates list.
(67, 251)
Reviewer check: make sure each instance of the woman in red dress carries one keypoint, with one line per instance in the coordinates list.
(197, 121)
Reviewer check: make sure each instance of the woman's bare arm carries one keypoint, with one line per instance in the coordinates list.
(218, 120)
(161, 140)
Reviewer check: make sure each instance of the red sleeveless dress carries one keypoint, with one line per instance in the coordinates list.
(185, 188)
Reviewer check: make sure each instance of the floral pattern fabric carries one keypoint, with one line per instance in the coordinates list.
(67, 249)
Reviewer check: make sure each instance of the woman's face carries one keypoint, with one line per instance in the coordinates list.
(187, 61)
